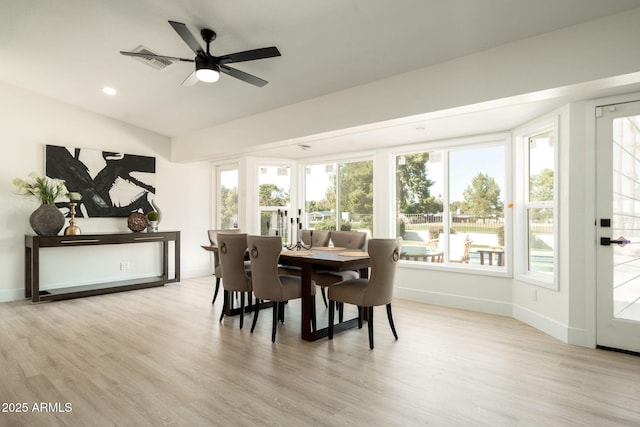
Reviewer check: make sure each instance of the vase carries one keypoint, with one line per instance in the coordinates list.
(152, 226)
(47, 220)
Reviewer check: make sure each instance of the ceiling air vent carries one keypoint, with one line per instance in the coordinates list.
(158, 64)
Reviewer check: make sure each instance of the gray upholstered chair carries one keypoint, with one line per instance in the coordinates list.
(349, 239)
(232, 249)
(368, 293)
(315, 237)
(343, 239)
(213, 239)
(268, 284)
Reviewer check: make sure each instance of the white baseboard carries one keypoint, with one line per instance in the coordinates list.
(449, 300)
(196, 272)
(549, 326)
(7, 295)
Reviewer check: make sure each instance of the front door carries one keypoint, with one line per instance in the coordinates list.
(618, 223)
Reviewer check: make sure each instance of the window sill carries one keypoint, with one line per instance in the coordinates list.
(478, 270)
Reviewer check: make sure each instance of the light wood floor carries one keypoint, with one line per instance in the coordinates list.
(159, 357)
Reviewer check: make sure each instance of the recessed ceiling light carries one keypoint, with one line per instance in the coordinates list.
(109, 90)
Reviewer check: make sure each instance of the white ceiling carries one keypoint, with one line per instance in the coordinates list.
(69, 50)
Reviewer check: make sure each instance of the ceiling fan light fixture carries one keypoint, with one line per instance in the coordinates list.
(207, 71)
(207, 75)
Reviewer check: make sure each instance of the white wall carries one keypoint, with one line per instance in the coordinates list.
(27, 123)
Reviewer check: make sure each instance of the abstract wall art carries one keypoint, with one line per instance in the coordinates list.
(111, 184)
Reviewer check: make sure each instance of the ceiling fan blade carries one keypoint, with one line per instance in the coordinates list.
(188, 38)
(190, 80)
(150, 55)
(245, 77)
(249, 55)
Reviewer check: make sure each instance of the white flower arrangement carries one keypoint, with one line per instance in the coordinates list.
(44, 189)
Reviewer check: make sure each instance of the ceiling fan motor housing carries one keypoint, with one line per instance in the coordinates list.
(206, 63)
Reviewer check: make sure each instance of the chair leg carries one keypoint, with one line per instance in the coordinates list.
(324, 296)
(331, 317)
(281, 311)
(359, 317)
(224, 304)
(241, 309)
(390, 317)
(255, 315)
(274, 324)
(370, 324)
(340, 312)
(215, 293)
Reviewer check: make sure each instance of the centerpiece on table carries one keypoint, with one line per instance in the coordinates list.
(47, 220)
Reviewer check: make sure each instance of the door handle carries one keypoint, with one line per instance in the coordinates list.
(606, 241)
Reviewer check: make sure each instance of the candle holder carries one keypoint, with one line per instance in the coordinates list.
(296, 230)
(72, 229)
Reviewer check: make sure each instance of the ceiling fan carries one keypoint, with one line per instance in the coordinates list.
(208, 66)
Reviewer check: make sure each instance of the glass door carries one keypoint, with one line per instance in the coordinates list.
(618, 222)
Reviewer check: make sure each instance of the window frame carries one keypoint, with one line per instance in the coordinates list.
(219, 169)
(446, 147)
(291, 209)
(337, 161)
(522, 174)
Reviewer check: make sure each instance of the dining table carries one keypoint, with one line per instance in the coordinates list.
(499, 255)
(326, 259)
(421, 253)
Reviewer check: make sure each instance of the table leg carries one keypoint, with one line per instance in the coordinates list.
(305, 281)
(481, 257)
(165, 260)
(35, 273)
(176, 251)
(27, 272)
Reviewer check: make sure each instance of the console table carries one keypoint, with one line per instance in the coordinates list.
(32, 245)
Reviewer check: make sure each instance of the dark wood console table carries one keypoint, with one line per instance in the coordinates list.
(32, 245)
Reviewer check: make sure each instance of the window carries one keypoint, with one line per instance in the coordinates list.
(228, 197)
(539, 202)
(450, 204)
(274, 184)
(339, 196)
(537, 213)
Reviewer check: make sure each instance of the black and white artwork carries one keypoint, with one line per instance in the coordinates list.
(111, 184)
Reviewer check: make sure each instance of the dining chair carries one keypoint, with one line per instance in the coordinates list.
(269, 285)
(315, 238)
(232, 249)
(347, 240)
(213, 239)
(375, 291)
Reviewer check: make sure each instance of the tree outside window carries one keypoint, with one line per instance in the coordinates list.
(473, 219)
(340, 196)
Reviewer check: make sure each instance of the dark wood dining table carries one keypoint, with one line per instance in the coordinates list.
(323, 259)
